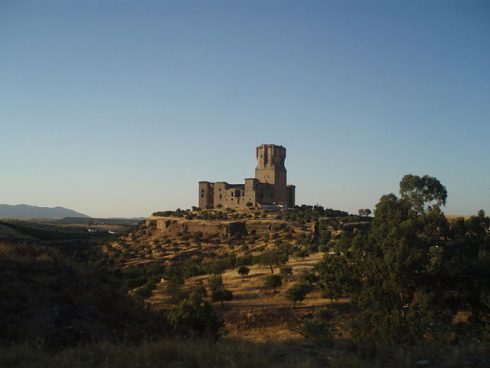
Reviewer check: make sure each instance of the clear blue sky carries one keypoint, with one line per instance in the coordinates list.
(119, 108)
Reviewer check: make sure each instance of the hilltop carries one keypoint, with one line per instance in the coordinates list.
(24, 211)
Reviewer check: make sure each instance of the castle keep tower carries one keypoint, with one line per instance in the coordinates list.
(269, 187)
(271, 170)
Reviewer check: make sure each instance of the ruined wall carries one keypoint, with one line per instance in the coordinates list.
(223, 229)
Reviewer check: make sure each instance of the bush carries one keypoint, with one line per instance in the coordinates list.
(194, 317)
(320, 327)
(273, 282)
(221, 294)
(243, 271)
(297, 293)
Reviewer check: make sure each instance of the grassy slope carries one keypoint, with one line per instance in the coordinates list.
(45, 297)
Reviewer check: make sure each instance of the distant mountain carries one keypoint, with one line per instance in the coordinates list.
(26, 211)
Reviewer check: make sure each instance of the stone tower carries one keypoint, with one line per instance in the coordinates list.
(271, 170)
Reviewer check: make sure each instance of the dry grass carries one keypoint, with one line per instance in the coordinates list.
(231, 353)
(257, 314)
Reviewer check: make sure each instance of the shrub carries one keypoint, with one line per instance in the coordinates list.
(194, 317)
(218, 290)
(320, 327)
(243, 271)
(297, 293)
(273, 282)
(221, 294)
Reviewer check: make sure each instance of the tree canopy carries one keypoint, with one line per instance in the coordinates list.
(413, 271)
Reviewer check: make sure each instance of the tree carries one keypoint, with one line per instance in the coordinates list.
(219, 266)
(335, 276)
(221, 294)
(320, 327)
(364, 212)
(308, 277)
(412, 271)
(422, 192)
(297, 293)
(194, 317)
(243, 271)
(271, 258)
(273, 282)
(218, 290)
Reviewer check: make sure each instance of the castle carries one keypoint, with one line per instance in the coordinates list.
(267, 188)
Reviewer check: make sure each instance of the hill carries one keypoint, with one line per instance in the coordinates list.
(27, 211)
(67, 230)
(46, 297)
(193, 245)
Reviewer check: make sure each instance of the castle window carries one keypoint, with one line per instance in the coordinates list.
(220, 196)
(202, 195)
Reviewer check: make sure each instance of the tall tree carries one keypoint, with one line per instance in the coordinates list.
(413, 271)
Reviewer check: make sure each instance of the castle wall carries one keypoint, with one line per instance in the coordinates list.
(172, 226)
(219, 194)
(250, 191)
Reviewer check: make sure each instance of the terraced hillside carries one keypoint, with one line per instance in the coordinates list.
(185, 250)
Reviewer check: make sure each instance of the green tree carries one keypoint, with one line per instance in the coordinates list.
(243, 271)
(335, 276)
(221, 294)
(321, 327)
(308, 277)
(194, 317)
(273, 282)
(422, 192)
(297, 293)
(412, 271)
(272, 258)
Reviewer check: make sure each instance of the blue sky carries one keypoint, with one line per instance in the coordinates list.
(119, 108)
